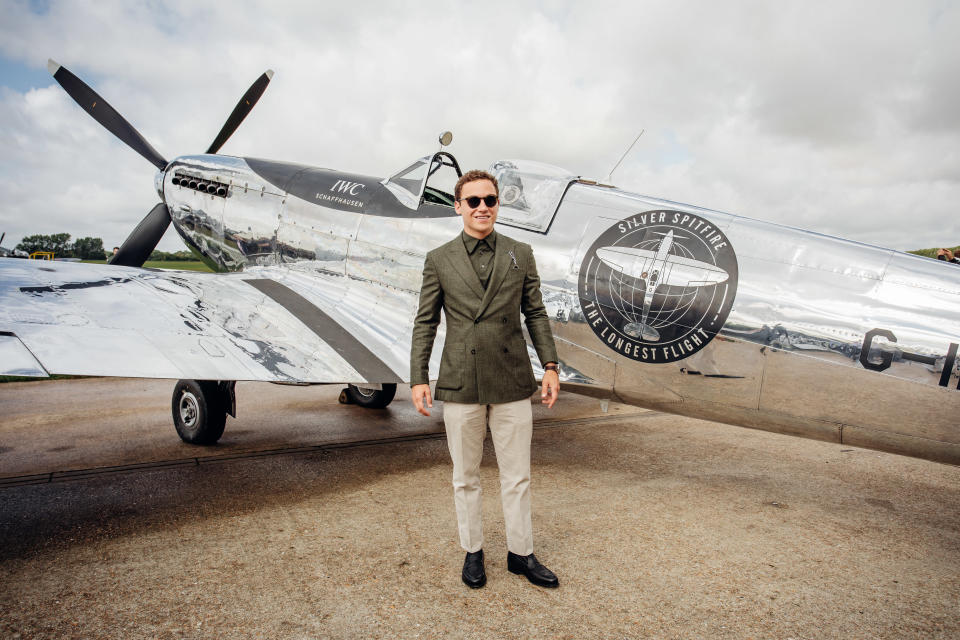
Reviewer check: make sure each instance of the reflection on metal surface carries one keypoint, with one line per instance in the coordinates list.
(16, 359)
(164, 324)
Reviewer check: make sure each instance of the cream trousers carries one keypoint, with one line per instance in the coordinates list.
(511, 427)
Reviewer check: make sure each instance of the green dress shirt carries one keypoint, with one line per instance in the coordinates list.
(481, 252)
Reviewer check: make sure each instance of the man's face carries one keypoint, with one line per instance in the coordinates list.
(477, 222)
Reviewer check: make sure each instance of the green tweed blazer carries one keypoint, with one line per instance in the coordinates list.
(484, 358)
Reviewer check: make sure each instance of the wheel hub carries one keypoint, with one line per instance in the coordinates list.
(189, 409)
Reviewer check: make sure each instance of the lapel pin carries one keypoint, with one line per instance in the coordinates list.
(514, 258)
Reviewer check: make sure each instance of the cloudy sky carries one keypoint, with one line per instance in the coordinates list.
(839, 117)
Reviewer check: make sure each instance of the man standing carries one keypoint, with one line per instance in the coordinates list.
(483, 281)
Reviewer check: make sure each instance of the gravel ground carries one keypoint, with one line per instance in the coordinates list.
(657, 526)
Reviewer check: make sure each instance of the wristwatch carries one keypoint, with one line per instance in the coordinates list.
(552, 366)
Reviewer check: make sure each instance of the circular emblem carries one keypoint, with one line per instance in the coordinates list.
(659, 285)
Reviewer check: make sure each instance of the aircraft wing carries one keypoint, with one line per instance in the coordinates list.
(677, 270)
(627, 260)
(270, 323)
(685, 272)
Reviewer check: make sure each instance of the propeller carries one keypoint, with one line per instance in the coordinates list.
(102, 112)
(243, 108)
(144, 238)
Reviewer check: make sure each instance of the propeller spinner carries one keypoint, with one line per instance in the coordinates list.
(144, 238)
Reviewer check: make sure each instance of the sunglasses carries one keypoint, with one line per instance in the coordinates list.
(474, 201)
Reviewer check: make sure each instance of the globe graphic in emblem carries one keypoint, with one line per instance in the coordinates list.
(658, 286)
(667, 305)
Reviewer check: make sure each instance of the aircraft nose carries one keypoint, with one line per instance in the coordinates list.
(158, 182)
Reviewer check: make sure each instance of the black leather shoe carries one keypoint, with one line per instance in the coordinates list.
(473, 574)
(529, 566)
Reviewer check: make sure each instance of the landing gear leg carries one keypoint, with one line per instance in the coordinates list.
(200, 409)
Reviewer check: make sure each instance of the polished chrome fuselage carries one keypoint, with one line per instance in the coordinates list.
(822, 337)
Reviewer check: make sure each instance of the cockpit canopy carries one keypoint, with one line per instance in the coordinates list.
(530, 192)
(429, 179)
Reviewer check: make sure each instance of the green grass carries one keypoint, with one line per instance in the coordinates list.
(191, 265)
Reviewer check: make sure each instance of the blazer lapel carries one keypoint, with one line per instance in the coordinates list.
(501, 262)
(460, 261)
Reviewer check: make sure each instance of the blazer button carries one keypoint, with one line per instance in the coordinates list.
(504, 321)
(505, 350)
(477, 321)
(473, 352)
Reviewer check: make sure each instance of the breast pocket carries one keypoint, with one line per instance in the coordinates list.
(451, 367)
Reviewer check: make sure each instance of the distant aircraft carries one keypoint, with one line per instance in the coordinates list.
(652, 302)
(10, 253)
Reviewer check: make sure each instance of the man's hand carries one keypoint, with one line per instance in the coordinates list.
(551, 388)
(421, 398)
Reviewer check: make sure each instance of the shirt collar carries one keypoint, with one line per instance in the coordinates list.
(472, 243)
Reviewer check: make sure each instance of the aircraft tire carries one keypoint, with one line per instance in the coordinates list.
(199, 411)
(372, 398)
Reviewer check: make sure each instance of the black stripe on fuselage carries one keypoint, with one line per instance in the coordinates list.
(367, 364)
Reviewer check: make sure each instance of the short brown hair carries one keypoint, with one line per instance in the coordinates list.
(473, 176)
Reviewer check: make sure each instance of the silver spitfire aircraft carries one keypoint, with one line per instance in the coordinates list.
(652, 302)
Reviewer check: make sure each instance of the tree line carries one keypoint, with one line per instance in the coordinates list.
(59, 244)
(87, 248)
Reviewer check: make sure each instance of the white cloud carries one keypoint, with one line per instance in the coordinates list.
(841, 118)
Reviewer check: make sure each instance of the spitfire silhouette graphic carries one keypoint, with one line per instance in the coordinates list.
(658, 286)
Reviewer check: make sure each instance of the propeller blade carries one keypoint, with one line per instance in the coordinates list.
(243, 108)
(140, 244)
(103, 113)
